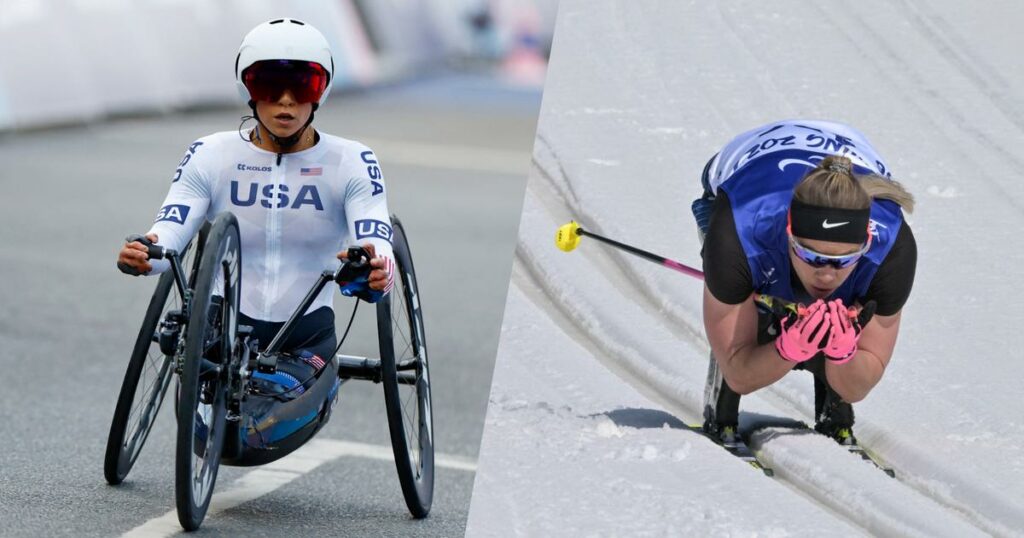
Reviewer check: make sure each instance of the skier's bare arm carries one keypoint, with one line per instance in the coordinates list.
(732, 332)
(853, 380)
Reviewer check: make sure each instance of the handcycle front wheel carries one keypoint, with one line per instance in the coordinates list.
(210, 353)
(145, 383)
(405, 375)
(142, 391)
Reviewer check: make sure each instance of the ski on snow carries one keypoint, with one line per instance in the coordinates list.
(869, 457)
(738, 446)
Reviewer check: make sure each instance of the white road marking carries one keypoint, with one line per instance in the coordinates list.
(267, 478)
(451, 157)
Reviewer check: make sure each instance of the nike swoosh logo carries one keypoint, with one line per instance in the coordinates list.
(827, 225)
(786, 162)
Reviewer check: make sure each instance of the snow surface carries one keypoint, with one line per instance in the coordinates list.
(603, 358)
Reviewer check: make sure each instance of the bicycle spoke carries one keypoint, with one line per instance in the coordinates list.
(150, 378)
(411, 425)
(400, 332)
(396, 331)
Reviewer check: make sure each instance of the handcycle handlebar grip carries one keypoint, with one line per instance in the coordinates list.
(155, 252)
(356, 265)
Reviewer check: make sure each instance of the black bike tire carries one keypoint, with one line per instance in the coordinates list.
(417, 483)
(192, 511)
(117, 462)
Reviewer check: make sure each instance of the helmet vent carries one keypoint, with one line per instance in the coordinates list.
(300, 23)
(278, 21)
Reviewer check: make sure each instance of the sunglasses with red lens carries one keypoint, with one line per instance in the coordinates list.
(817, 259)
(267, 80)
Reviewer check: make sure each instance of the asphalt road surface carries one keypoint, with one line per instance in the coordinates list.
(455, 151)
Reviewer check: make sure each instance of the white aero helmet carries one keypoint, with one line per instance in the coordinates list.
(284, 39)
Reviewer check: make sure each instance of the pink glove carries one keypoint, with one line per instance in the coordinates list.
(841, 345)
(847, 325)
(802, 335)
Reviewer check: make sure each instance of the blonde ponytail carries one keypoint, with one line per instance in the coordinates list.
(833, 184)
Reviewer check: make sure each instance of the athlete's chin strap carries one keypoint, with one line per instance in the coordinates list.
(283, 142)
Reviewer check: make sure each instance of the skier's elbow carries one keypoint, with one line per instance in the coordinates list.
(851, 385)
(849, 392)
(743, 376)
(739, 384)
(850, 396)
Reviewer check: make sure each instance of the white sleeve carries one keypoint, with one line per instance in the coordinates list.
(184, 208)
(366, 209)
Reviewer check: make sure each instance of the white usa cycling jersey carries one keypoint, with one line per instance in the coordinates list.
(295, 212)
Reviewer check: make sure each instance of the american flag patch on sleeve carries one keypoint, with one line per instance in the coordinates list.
(318, 171)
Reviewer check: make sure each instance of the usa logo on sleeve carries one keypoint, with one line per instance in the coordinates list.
(373, 228)
(173, 213)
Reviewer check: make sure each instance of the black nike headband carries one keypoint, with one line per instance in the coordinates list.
(829, 223)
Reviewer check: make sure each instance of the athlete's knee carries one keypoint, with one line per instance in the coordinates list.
(702, 208)
(705, 176)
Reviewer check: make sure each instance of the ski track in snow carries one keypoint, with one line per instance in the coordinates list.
(932, 95)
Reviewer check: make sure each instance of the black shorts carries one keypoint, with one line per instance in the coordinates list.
(314, 333)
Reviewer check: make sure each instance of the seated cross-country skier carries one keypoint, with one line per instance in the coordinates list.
(804, 211)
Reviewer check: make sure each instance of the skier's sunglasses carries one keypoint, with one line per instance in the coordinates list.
(267, 80)
(817, 259)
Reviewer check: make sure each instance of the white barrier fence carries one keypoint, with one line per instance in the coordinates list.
(69, 61)
(76, 60)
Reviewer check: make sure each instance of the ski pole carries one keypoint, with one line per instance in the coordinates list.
(568, 237)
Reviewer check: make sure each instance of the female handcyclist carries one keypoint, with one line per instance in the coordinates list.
(299, 195)
(804, 211)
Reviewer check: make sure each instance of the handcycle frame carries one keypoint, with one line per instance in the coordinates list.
(231, 371)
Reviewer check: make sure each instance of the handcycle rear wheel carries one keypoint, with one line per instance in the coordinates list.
(145, 383)
(210, 354)
(405, 375)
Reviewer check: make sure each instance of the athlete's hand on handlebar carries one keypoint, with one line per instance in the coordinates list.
(134, 257)
(379, 275)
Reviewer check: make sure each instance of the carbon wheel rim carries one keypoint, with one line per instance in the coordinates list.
(413, 373)
(205, 378)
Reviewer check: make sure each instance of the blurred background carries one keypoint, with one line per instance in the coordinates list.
(66, 61)
(98, 101)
